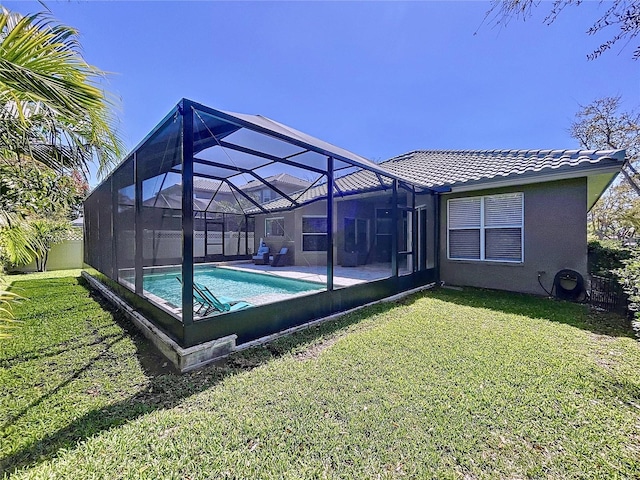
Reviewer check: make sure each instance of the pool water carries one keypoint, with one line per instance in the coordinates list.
(229, 285)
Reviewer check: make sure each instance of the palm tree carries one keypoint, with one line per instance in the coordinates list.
(52, 111)
(52, 108)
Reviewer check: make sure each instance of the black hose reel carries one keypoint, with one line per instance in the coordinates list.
(568, 285)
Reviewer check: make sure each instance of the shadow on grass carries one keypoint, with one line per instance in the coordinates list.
(166, 388)
(574, 314)
(82, 341)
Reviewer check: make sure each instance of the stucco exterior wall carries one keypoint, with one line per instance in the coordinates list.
(292, 238)
(275, 243)
(555, 237)
(361, 208)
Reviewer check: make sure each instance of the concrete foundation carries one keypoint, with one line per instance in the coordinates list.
(184, 359)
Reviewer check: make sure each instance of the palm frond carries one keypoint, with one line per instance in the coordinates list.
(18, 242)
(50, 98)
(7, 319)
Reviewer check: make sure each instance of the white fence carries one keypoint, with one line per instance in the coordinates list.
(65, 255)
(168, 244)
(70, 253)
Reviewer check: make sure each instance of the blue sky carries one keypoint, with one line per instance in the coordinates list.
(376, 78)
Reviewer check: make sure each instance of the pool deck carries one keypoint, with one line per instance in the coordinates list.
(342, 276)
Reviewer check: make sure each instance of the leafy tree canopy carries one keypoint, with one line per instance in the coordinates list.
(601, 125)
(30, 190)
(55, 120)
(37, 204)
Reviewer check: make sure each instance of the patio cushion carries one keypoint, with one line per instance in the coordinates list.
(262, 256)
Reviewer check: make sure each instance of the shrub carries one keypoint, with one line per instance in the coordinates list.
(629, 278)
(606, 257)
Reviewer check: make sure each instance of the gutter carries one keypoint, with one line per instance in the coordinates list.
(520, 180)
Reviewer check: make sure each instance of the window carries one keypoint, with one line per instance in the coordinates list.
(274, 227)
(314, 234)
(266, 196)
(356, 233)
(486, 228)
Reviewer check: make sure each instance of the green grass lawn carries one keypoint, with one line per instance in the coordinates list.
(446, 384)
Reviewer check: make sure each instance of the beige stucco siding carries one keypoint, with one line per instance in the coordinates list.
(555, 237)
(292, 238)
(275, 243)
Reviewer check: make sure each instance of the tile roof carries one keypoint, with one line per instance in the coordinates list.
(207, 185)
(432, 168)
(357, 182)
(446, 168)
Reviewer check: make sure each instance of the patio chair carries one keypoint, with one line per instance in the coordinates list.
(205, 302)
(201, 306)
(205, 296)
(262, 255)
(280, 258)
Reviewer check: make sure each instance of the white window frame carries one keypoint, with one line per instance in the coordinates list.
(312, 233)
(482, 228)
(267, 233)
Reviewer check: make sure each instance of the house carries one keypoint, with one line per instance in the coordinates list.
(205, 187)
(508, 219)
(206, 190)
(275, 186)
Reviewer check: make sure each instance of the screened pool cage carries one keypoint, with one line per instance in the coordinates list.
(221, 223)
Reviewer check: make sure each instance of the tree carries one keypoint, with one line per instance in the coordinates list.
(27, 189)
(616, 215)
(6, 314)
(18, 244)
(47, 232)
(7, 298)
(44, 202)
(623, 15)
(52, 112)
(601, 125)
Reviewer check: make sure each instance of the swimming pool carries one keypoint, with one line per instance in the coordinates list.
(229, 285)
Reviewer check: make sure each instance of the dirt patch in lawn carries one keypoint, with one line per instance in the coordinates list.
(316, 350)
